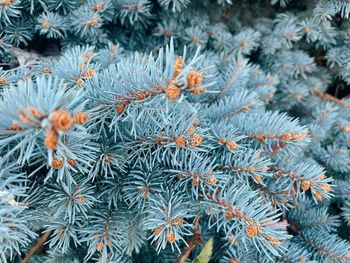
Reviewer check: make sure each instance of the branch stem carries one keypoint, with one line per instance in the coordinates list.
(194, 241)
(37, 246)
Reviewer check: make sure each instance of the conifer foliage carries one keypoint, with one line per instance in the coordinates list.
(174, 131)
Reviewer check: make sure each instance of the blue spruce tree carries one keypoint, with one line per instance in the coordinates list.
(174, 131)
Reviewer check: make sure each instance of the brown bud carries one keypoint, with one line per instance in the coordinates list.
(260, 139)
(158, 230)
(15, 127)
(45, 24)
(245, 108)
(257, 178)
(194, 79)
(106, 159)
(98, 7)
(232, 145)
(34, 112)
(195, 181)
(222, 141)
(61, 120)
(56, 163)
(51, 139)
(191, 129)
(80, 118)
(287, 137)
(305, 185)
(211, 180)
(100, 246)
(326, 187)
(120, 108)
(80, 82)
(143, 95)
(345, 128)
(273, 241)
(81, 198)
(91, 22)
(46, 70)
(3, 81)
(6, 2)
(195, 140)
(89, 55)
(172, 92)
(72, 162)
(252, 231)
(178, 65)
(89, 73)
(199, 91)
(318, 196)
(171, 237)
(24, 117)
(180, 141)
(145, 195)
(179, 221)
(229, 215)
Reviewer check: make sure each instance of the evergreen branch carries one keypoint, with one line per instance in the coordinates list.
(129, 143)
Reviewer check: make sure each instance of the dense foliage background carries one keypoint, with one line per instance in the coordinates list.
(141, 130)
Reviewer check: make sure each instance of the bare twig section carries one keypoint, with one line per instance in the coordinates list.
(194, 241)
(330, 98)
(37, 246)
